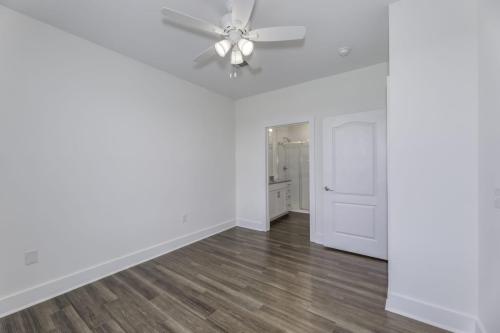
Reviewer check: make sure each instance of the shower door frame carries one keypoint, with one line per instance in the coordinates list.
(312, 174)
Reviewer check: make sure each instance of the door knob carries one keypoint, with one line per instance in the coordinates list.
(329, 189)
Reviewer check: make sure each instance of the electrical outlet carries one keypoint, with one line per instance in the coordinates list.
(31, 257)
(185, 218)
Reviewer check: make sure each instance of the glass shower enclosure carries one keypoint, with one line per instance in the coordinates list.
(294, 163)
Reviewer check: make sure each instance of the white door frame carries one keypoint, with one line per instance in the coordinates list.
(312, 171)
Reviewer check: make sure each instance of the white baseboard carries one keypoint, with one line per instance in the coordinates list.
(301, 211)
(317, 239)
(45, 291)
(432, 314)
(250, 224)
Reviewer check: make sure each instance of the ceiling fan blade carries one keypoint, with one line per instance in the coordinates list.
(242, 11)
(277, 34)
(206, 55)
(191, 22)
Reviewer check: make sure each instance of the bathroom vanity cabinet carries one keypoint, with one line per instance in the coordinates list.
(279, 199)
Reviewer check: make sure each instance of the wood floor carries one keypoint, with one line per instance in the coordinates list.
(237, 281)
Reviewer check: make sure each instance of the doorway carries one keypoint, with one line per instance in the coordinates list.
(288, 180)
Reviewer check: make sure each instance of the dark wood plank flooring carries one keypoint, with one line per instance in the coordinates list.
(237, 281)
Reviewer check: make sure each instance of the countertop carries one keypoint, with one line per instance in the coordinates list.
(279, 182)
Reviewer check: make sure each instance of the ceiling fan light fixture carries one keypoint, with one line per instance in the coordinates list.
(246, 47)
(234, 34)
(223, 47)
(236, 57)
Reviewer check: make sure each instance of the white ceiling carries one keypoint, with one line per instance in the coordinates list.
(135, 28)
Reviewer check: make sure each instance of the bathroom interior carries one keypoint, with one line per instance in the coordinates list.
(288, 173)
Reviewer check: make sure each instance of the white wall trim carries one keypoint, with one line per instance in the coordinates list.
(480, 326)
(317, 239)
(432, 314)
(251, 224)
(311, 122)
(300, 211)
(40, 293)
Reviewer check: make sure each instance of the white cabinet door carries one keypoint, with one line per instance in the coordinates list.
(273, 204)
(281, 202)
(355, 176)
(278, 202)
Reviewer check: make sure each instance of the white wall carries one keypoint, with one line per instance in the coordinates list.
(433, 164)
(100, 157)
(489, 135)
(356, 91)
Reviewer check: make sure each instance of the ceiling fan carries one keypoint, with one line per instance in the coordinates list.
(237, 38)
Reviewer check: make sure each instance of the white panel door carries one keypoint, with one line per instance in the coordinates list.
(355, 175)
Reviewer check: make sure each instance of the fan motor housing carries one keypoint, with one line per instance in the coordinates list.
(235, 35)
